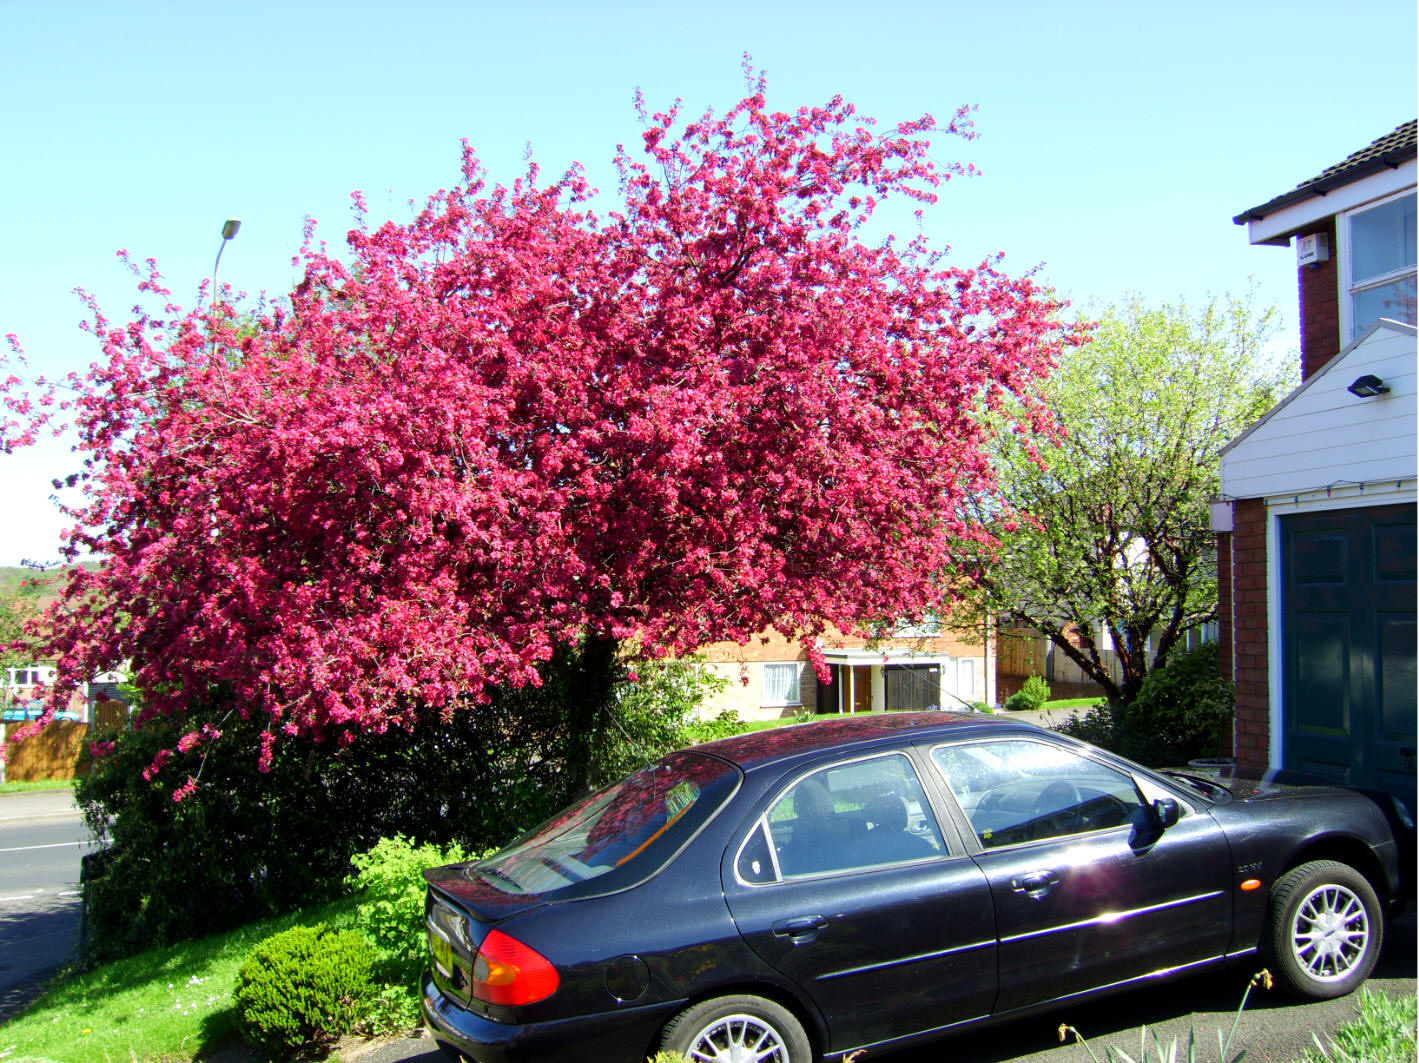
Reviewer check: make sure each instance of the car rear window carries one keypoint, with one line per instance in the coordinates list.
(636, 824)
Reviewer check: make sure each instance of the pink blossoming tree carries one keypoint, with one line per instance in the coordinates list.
(513, 427)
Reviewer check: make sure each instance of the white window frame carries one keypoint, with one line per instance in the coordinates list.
(1348, 288)
(794, 694)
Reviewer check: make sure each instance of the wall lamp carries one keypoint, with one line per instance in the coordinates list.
(1367, 387)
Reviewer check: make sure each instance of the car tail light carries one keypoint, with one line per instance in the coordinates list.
(507, 972)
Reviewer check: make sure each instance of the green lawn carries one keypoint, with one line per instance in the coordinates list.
(1070, 703)
(165, 1005)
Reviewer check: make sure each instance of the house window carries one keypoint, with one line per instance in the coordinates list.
(781, 684)
(928, 627)
(1380, 264)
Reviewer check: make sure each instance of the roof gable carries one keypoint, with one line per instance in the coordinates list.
(1384, 153)
(1320, 436)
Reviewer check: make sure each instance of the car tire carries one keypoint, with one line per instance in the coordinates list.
(1324, 930)
(711, 1031)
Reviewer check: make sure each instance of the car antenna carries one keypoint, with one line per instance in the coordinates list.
(632, 743)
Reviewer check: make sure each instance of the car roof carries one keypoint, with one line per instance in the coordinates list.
(758, 748)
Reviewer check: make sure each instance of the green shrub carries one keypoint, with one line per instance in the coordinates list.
(1183, 709)
(303, 986)
(1096, 725)
(655, 714)
(725, 725)
(389, 884)
(1030, 697)
(246, 844)
(1182, 712)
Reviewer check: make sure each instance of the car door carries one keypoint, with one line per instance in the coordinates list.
(1089, 890)
(845, 885)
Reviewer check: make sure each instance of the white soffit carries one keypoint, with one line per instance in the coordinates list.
(1278, 226)
(1320, 436)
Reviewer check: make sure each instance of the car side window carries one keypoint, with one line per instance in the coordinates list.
(865, 813)
(1021, 790)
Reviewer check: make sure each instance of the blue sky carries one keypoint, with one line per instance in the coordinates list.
(1117, 140)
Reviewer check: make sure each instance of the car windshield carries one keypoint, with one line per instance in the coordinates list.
(638, 822)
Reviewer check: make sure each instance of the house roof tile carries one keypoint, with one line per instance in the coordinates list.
(1387, 152)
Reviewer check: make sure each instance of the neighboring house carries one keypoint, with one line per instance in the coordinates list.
(916, 668)
(23, 682)
(1316, 522)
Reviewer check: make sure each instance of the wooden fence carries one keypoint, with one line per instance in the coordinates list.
(57, 751)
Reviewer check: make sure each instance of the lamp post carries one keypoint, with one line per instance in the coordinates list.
(230, 228)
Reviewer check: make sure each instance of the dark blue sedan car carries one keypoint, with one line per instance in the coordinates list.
(870, 882)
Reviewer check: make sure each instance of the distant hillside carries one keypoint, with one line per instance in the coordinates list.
(27, 583)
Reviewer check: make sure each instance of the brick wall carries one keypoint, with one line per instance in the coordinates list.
(1319, 287)
(1224, 604)
(1252, 737)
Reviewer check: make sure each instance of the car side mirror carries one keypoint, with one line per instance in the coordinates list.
(1165, 812)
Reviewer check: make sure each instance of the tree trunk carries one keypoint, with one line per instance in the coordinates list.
(587, 678)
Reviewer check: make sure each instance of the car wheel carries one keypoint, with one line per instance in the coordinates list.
(737, 1029)
(1324, 930)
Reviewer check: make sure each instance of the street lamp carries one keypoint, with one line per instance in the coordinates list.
(230, 227)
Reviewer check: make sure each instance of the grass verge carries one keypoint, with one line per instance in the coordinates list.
(165, 1004)
(42, 784)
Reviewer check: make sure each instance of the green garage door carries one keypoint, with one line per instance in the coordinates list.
(1348, 639)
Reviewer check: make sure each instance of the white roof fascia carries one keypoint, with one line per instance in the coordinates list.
(895, 655)
(1278, 226)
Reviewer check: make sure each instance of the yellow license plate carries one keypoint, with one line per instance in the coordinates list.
(442, 953)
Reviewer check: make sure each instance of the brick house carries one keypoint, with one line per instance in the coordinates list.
(1316, 519)
(916, 668)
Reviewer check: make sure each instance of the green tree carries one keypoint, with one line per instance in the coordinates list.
(1109, 544)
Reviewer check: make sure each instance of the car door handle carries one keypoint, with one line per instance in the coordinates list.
(801, 927)
(1036, 884)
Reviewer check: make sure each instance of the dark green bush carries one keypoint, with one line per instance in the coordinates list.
(1182, 712)
(246, 844)
(303, 986)
(1183, 709)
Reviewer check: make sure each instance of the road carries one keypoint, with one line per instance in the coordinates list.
(42, 840)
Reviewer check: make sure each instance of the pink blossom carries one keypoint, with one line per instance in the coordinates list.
(510, 423)
(159, 762)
